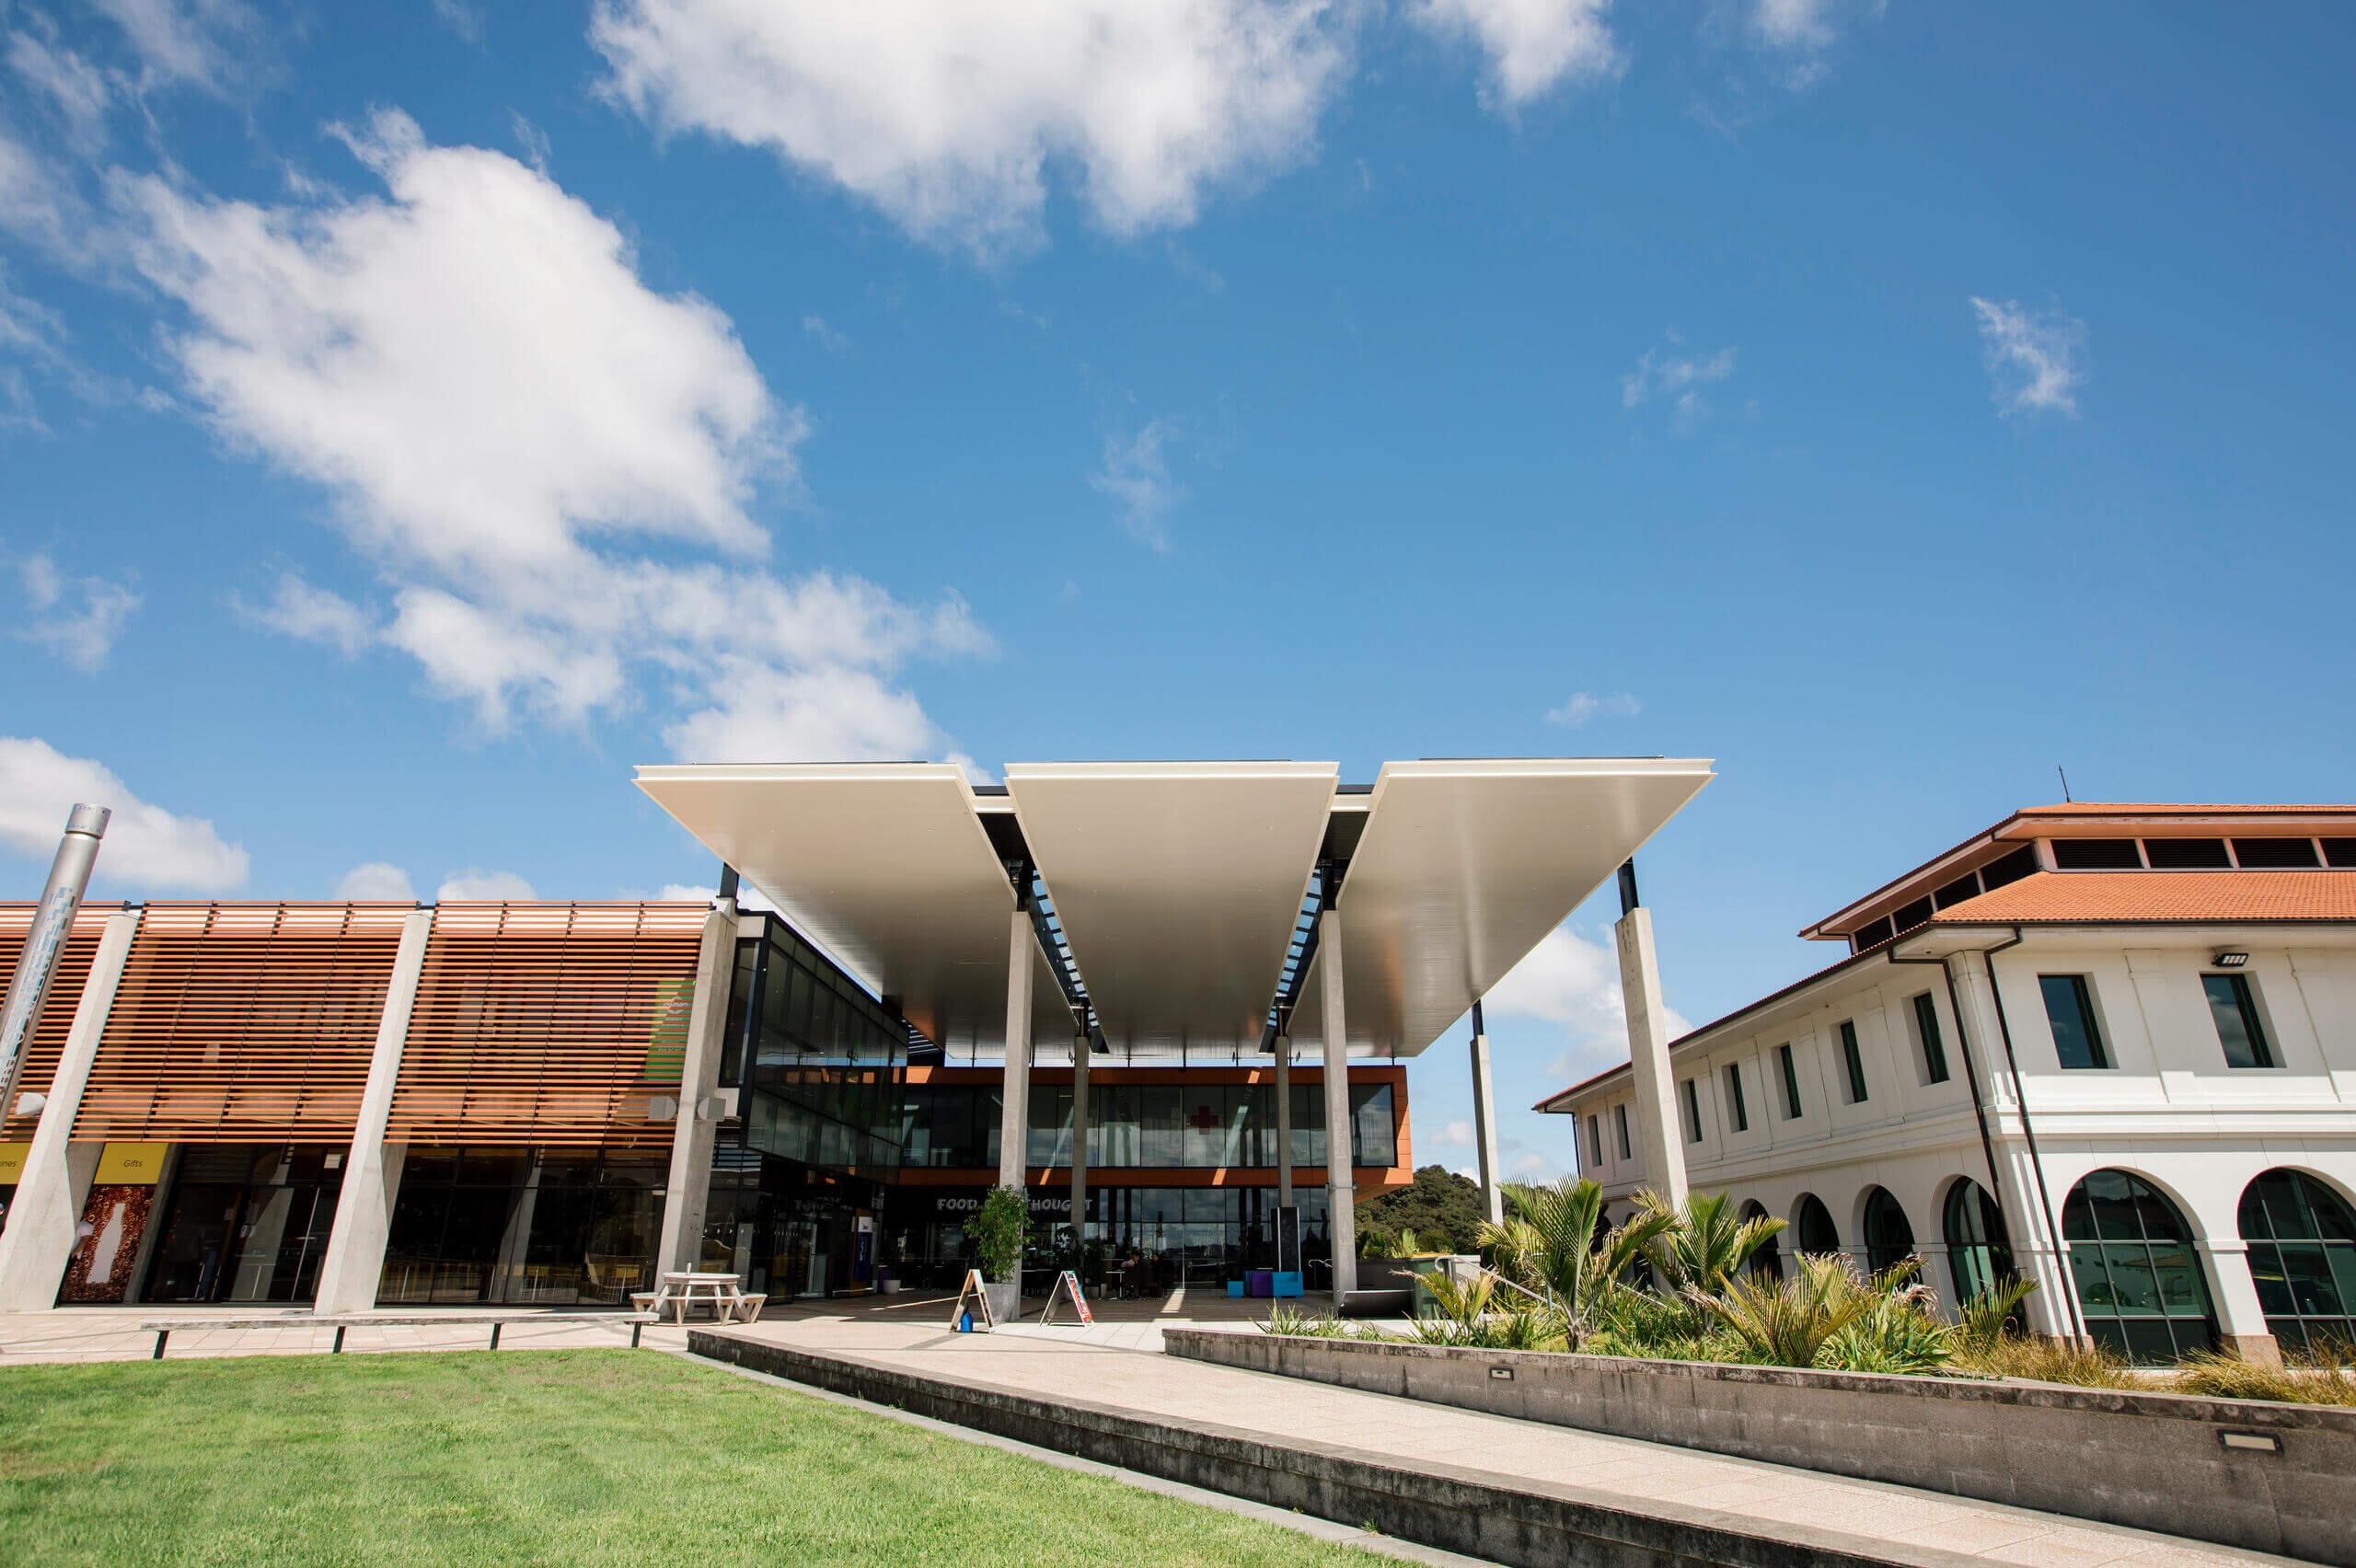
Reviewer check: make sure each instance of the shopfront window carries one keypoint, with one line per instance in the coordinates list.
(1141, 1126)
(244, 1222)
(556, 1227)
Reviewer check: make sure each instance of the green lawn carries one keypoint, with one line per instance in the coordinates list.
(543, 1456)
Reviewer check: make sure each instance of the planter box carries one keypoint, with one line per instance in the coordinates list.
(1005, 1298)
(2151, 1462)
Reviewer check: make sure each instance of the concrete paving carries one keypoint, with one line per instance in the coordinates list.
(1117, 1365)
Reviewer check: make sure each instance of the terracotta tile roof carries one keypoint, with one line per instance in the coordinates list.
(2064, 896)
(2176, 808)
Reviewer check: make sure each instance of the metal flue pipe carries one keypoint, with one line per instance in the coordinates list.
(69, 875)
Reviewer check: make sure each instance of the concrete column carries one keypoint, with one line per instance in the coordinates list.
(38, 1240)
(2241, 1321)
(1015, 1122)
(1664, 1151)
(1284, 1121)
(1484, 1125)
(1078, 1139)
(364, 1207)
(1341, 1190)
(686, 1192)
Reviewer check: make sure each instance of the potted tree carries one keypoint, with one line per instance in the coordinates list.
(998, 1231)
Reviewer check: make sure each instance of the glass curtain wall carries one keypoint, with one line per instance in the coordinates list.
(816, 1057)
(547, 1227)
(1144, 1127)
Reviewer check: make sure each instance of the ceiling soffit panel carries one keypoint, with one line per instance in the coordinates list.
(1464, 868)
(1177, 886)
(886, 867)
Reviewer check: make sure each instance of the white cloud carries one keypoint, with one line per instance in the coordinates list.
(1570, 981)
(1678, 377)
(474, 883)
(1585, 704)
(974, 771)
(77, 91)
(145, 847)
(1136, 475)
(2033, 360)
(1531, 45)
(76, 618)
(946, 115)
(503, 409)
(312, 615)
(1455, 1135)
(1531, 1167)
(202, 43)
(378, 881)
(685, 893)
(826, 337)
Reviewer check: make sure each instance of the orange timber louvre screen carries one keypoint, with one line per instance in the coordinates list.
(548, 1024)
(48, 1043)
(243, 1023)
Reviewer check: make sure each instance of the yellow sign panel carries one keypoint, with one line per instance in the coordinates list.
(12, 1163)
(130, 1165)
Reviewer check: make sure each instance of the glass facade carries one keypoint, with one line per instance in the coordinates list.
(1179, 1235)
(1143, 1126)
(244, 1222)
(2301, 1240)
(2140, 1285)
(550, 1227)
(816, 1057)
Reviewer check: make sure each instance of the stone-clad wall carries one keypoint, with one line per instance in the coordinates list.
(2151, 1462)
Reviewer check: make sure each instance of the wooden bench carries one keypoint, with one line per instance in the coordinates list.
(162, 1330)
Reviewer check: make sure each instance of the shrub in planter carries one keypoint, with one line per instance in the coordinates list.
(998, 1231)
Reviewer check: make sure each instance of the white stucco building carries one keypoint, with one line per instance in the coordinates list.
(2127, 1029)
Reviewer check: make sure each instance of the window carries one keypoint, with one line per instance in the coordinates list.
(1926, 1034)
(2070, 1009)
(2339, 851)
(1857, 1063)
(1735, 1106)
(1693, 1100)
(1791, 1083)
(1620, 1115)
(2140, 1285)
(2234, 1008)
(1595, 1143)
(2186, 854)
(1980, 1252)
(1767, 1261)
(2009, 868)
(1890, 1237)
(2302, 1257)
(2097, 855)
(1814, 1227)
(2274, 852)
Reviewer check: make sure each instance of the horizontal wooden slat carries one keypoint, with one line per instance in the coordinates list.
(48, 1041)
(547, 1024)
(243, 1023)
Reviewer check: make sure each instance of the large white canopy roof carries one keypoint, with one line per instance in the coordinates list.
(1178, 884)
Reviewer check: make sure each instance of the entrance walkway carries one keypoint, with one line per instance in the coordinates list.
(1116, 1367)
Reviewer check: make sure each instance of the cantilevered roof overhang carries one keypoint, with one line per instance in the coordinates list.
(1464, 867)
(884, 865)
(1177, 885)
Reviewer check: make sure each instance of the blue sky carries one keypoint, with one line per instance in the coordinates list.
(408, 423)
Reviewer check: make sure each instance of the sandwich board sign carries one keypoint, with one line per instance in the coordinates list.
(1067, 1284)
(972, 1299)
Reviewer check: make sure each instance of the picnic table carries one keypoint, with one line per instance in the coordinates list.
(723, 1292)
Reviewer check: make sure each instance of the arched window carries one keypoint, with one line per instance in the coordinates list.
(1767, 1262)
(1814, 1227)
(1979, 1253)
(1888, 1238)
(2302, 1257)
(2140, 1285)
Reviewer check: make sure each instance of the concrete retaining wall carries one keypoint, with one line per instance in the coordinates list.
(1530, 1524)
(2152, 1461)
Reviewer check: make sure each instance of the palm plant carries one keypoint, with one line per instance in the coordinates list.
(1982, 1319)
(1706, 1242)
(1900, 1329)
(1557, 1247)
(1786, 1321)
